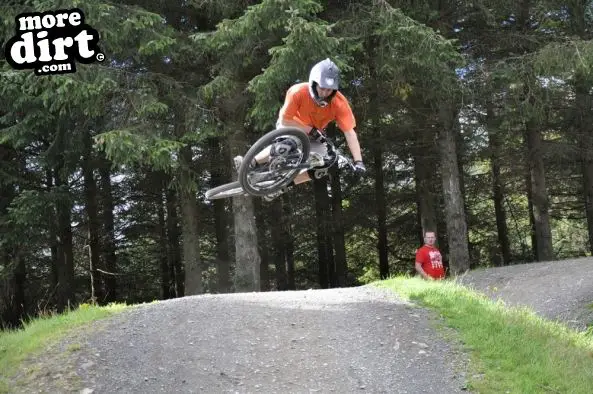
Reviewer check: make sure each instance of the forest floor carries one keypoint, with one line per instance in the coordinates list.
(361, 339)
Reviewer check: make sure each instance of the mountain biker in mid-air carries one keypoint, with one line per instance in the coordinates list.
(310, 107)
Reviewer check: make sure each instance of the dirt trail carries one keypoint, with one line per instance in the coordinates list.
(355, 340)
(352, 340)
(558, 290)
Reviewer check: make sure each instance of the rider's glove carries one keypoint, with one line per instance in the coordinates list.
(359, 167)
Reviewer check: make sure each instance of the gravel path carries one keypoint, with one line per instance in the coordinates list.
(354, 340)
(559, 290)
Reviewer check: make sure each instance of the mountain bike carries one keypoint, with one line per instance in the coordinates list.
(289, 153)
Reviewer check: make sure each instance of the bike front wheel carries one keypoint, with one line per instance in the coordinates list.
(279, 171)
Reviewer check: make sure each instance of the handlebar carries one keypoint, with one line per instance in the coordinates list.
(343, 160)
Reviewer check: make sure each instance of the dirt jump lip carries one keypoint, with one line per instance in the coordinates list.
(359, 339)
(557, 290)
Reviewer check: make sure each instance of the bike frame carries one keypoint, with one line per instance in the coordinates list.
(333, 154)
(331, 150)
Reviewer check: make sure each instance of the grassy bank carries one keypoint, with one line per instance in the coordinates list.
(16, 345)
(512, 349)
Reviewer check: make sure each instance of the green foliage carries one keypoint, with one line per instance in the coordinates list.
(17, 346)
(220, 86)
(130, 147)
(414, 47)
(269, 16)
(125, 103)
(570, 238)
(403, 52)
(361, 259)
(27, 217)
(563, 59)
(370, 275)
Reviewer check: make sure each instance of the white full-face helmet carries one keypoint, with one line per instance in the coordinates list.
(326, 75)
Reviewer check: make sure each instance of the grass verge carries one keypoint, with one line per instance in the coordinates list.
(512, 350)
(17, 345)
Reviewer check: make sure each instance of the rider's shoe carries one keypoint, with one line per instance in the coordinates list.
(276, 194)
(316, 160)
(238, 160)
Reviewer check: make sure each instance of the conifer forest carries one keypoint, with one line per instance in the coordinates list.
(475, 120)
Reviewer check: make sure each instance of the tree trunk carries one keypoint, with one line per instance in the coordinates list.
(541, 215)
(52, 232)
(531, 215)
(223, 257)
(323, 244)
(247, 258)
(93, 225)
(459, 147)
(108, 241)
(220, 174)
(454, 205)
(166, 287)
(523, 27)
(65, 263)
(380, 201)
(424, 167)
(174, 244)
(20, 281)
(288, 241)
(497, 190)
(278, 245)
(189, 219)
(338, 229)
(381, 207)
(584, 121)
(584, 103)
(587, 174)
(12, 286)
(12, 296)
(262, 237)
(500, 213)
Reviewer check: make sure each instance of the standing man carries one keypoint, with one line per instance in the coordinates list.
(429, 262)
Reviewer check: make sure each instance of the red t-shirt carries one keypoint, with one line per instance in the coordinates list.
(431, 261)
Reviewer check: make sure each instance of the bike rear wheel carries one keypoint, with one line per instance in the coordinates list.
(224, 191)
(280, 172)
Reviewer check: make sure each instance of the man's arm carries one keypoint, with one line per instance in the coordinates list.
(421, 271)
(346, 122)
(353, 144)
(296, 123)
